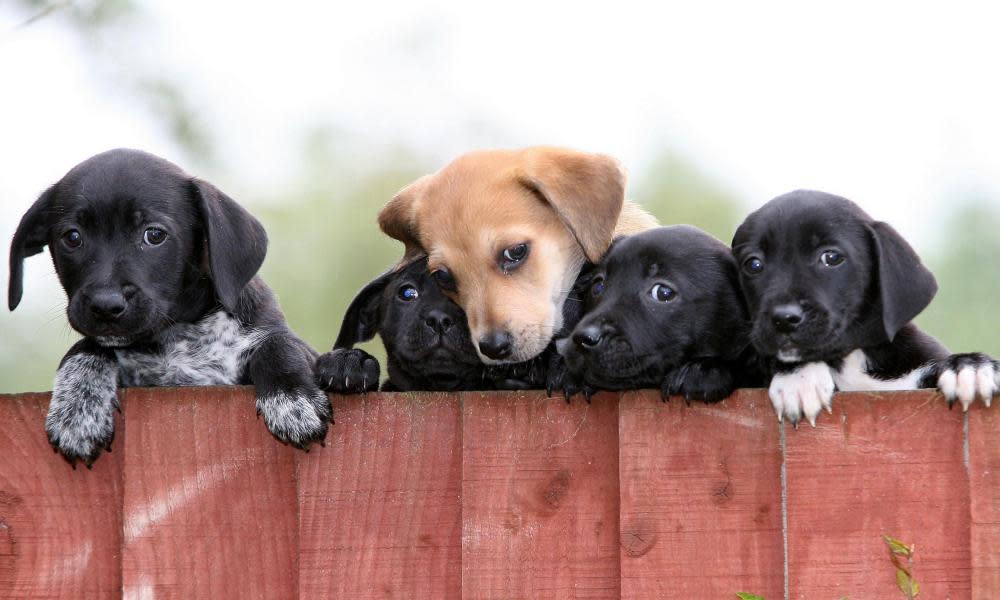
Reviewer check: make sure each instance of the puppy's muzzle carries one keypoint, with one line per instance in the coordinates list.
(496, 345)
(786, 318)
(439, 321)
(107, 305)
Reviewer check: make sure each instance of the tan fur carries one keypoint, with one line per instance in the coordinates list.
(567, 205)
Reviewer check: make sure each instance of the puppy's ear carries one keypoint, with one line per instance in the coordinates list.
(397, 219)
(906, 286)
(587, 191)
(237, 242)
(29, 239)
(364, 316)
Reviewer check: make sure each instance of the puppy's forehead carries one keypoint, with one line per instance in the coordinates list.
(664, 250)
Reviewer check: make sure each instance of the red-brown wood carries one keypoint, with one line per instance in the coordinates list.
(701, 498)
(210, 506)
(984, 475)
(60, 529)
(539, 497)
(380, 507)
(882, 464)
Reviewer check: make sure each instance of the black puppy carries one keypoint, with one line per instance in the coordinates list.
(664, 311)
(426, 338)
(159, 269)
(832, 293)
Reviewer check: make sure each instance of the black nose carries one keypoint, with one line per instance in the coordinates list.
(787, 317)
(588, 337)
(439, 321)
(496, 345)
(107, 305)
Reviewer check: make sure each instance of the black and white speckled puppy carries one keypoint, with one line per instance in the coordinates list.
(160, 272)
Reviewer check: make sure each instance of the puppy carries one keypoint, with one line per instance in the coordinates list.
(159, 270)
(665, 311)
(426, 339)
(506, 234)
(832, 294)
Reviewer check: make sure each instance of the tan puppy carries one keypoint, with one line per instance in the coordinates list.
(506, 234)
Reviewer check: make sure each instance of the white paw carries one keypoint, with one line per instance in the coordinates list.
(81, 423)
(966, 377)
(802, 392)
(298, 418)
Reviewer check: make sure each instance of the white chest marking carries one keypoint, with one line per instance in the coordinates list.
(853, 376)
(212, 351)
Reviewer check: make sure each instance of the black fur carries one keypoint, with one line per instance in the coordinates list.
(125, 291)
(427, 342)
(696, 344)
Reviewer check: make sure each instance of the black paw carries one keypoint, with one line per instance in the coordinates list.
(702, 381)
(347, 371)
(560, 378)
(964, 378)
(298, 417)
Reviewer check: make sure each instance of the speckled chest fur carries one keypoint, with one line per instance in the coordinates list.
(212, 351)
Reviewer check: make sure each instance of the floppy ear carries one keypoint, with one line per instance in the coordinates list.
(364, 316)
(29, 239)
(587, 191)
(906, 286)
(237, 242)
(397, 219)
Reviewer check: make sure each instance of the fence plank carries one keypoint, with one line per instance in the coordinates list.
(210, 507)
(540, 497)
(380, 506)
(984, 474)
(881, 464)
(701, 498)
(60, 529)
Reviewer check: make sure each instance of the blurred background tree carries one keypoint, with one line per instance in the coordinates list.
(325, 244)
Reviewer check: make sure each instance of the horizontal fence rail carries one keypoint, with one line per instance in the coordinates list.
(505, 495)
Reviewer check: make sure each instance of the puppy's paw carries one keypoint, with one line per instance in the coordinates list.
(298, 417)
(347, 371)
(80, 423)
(966, 377)
(803, 392)
(704, 380)
(560, 378)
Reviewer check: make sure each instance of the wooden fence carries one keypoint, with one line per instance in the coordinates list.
(505, 495)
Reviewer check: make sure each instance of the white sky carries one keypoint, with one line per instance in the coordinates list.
(895, 105)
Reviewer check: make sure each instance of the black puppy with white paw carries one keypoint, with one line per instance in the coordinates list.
(665, 311)
(160, 272)
(426, 338)
(832, 293)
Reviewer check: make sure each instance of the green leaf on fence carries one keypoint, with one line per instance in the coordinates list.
(907, 584)
(897, 547)
(748, 596)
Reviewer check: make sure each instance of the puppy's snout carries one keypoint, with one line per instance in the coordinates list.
(787, 317)
(588, 337)
(439, 321)
(496, 345)
(107, 305)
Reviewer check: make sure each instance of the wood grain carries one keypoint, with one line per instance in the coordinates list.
(984, 488)
(882, 464)
(380, 506)
(209, 505)
(701, 498)
(60, 529)
(539, 497)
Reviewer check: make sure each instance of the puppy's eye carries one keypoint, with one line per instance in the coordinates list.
(597, 288)
(444, 279)
(512, 257)
(753, 265)
(408, 293)
(832, 258)
(154, 236)
(72, 238)
(662, 293)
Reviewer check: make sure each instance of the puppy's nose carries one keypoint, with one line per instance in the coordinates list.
(787, 317)
(588, 337)
(496, 345)
(439, 321)
(107, 305)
